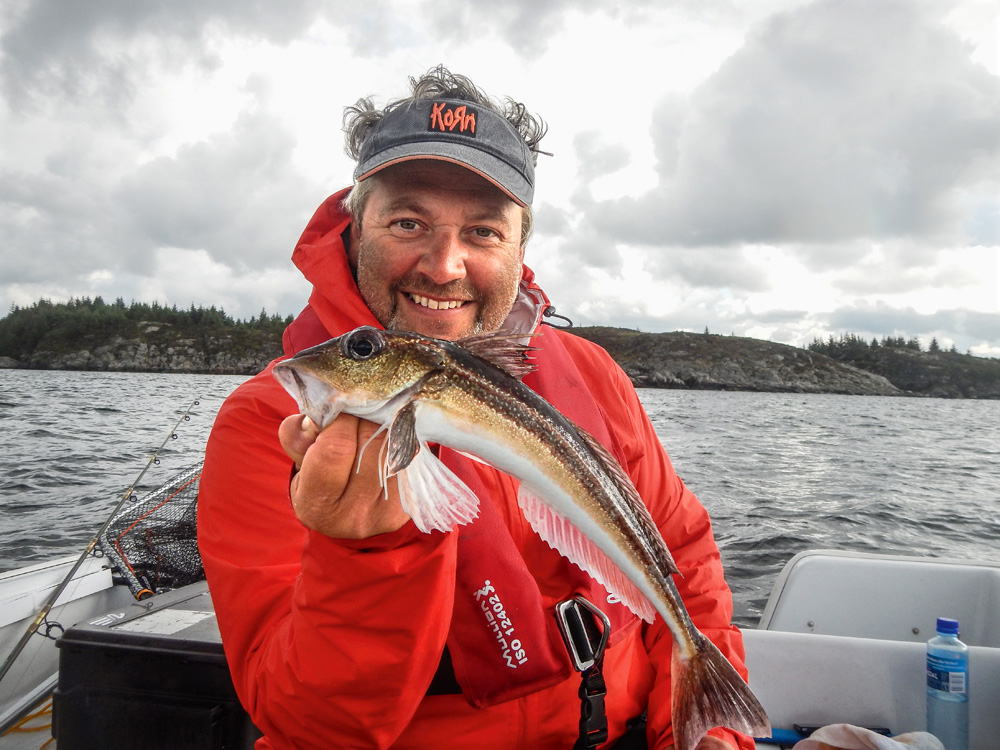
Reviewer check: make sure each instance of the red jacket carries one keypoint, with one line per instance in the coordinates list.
(332, 643)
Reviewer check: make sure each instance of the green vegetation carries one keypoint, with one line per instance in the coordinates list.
(903, 362)
(60, 328)
(850, 345)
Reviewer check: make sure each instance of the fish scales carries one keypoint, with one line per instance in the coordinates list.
(540, 429)
(468, 396)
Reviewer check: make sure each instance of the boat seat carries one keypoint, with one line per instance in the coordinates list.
(829, 592)
(825, 679)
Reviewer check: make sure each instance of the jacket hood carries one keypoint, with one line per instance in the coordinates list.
(335, 304)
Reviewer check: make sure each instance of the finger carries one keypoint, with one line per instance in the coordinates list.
(338, 495)
(387, 512)
(330, 458)
(296, 434)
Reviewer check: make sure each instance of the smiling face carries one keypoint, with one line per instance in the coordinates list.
(439, 250)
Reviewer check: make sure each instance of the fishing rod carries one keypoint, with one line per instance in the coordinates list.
(43, 613)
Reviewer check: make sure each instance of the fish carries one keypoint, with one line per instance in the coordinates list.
(467, 395)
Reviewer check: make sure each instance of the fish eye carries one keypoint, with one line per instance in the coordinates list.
(363, 343)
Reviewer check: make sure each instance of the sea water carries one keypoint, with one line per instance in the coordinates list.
(779, 473)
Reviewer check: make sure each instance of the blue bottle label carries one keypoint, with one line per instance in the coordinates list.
(947, 674)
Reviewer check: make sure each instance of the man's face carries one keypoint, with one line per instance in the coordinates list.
(439, 250)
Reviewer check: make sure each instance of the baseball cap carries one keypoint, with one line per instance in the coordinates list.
(457, 131)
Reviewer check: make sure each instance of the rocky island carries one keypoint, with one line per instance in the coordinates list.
(730, 363)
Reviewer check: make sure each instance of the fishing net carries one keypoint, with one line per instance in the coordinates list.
(153, 542)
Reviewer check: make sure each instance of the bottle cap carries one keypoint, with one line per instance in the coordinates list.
(947, 626)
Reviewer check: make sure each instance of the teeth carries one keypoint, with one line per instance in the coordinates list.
(434, 304)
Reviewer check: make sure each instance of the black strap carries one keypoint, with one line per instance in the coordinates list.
(585, 630)
(585, 641)
(593, 719)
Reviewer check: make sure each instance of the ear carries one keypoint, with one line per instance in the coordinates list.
(521, 242)
(352, 241)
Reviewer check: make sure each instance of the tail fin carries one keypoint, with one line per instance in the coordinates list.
(708, 692)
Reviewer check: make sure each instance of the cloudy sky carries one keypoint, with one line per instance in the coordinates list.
(782, 169)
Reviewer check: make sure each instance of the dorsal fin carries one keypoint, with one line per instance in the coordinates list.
(624, 483)
(504, 349)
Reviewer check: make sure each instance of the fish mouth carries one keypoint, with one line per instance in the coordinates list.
(314, 396)
(435, 304)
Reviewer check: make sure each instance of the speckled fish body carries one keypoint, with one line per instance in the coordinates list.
(468, 396)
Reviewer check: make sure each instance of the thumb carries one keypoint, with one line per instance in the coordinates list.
(296, 434)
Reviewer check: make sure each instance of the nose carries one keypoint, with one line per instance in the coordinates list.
(444, 259)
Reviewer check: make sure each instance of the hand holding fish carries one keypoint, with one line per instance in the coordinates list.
(330, 492)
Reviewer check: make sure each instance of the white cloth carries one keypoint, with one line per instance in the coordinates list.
(850, 737)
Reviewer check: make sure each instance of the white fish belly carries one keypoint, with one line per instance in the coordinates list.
(495, 446)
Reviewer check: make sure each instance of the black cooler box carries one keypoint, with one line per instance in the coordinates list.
(152, 676)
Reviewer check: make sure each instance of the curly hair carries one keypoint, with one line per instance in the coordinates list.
(437, 83)
(441, 83)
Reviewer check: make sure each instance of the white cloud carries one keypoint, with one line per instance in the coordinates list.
(278, 288)
(235, 195)
(56, 50)
(840, 120)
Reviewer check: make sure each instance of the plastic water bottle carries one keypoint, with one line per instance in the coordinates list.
(948, 686)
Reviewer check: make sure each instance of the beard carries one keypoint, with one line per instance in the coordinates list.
(382, 294)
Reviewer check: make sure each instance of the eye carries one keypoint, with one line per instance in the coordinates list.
(362, 344)
(486, 233)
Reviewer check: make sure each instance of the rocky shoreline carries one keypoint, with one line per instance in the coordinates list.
(731, 363)
(214, 355)
(678, 360)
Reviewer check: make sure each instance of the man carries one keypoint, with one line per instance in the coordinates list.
(344, 626)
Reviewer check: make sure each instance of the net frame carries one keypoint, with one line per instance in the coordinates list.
(153, 542)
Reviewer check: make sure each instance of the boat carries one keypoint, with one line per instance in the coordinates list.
(841, 640)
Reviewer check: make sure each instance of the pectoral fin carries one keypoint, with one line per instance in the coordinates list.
(403, 443)
(572, 544)
(433, 496)
(429, 491)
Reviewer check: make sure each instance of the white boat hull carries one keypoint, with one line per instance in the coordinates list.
(23, 593)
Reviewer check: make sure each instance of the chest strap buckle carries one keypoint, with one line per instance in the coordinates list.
(585, 630)
(578, 622)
